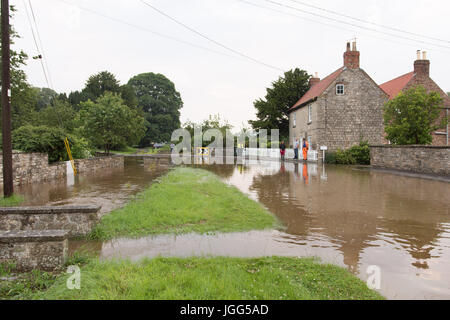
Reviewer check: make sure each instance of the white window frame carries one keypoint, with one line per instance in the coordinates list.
(338, 86)
(309, 113)
(294, 120)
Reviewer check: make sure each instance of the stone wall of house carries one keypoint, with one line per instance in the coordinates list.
(98, 163)
(419, 159)
(357, 115)
(341, 121)
(34, 167)
(77, 220)
(34, 250)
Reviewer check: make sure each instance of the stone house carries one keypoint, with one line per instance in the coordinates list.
(340, 110)
(421, 77)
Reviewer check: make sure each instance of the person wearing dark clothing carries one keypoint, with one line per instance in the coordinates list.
(282, 150)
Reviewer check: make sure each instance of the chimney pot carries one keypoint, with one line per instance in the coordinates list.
(418, 54)
(424, 55)
(314, 80)
(351, 57)
(354, 46)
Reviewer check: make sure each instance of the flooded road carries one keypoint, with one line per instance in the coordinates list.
(111, 188)
(349, 216)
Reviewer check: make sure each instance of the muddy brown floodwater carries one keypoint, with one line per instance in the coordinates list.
(349, 216)
(111, 188)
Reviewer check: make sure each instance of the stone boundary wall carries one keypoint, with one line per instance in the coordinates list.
(77, 220)
(414, 158)
(98, 163)
(34, 167)
(31, 250)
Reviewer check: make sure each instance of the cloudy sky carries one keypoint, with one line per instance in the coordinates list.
(83, 37)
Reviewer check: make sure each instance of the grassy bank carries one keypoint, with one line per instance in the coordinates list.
(200, 279)
(185, 200)
(13, 201)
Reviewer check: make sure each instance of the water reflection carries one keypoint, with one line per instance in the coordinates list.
(369, 217)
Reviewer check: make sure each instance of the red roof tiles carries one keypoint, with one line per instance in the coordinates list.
(318, 88)
(393, 87)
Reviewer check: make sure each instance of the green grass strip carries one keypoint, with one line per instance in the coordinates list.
(186, 200)
(275, 278)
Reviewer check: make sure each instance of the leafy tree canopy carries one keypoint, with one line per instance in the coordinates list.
(45, 97)
(108, 122)
(160, 103)
(272, 111)
(412, 116)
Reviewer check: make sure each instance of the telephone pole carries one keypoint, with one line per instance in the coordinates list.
(8, 188)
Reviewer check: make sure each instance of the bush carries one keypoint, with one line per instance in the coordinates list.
(49, 140)
(359, 154)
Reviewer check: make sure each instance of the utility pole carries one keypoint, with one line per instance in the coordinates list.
(8, 188)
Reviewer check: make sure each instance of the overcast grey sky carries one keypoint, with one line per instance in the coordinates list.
(79, 43)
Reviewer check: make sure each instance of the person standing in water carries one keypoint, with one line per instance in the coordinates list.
(296, 147)
(282, 150)
(305, 150)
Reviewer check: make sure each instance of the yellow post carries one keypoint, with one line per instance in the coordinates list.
(66, 142)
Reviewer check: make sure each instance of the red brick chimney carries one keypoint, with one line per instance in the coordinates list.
(422, 65)
(351, 57)
(314, 80)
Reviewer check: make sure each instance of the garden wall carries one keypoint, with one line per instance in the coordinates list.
(77, 220)
(34, 167)
(414, 158)
(98, 163)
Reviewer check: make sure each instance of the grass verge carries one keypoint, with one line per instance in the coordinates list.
(185, 200)
(201, 279)
(13, 201)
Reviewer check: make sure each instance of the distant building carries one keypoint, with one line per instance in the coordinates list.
(421, 77)
(341, 110)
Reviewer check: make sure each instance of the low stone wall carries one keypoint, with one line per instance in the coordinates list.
(33, 167)
(77, 220)
(414, 158)
(98, 163)
(31, 250)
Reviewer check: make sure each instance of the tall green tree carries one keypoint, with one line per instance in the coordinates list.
(160, 103)
(272, 110)
(45, 97)
(99, 83)
(108, 122)
(412, 116)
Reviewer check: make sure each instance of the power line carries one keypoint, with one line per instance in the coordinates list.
(210, 39)
(36, 43)
(329, 25)
(352, 24)
(368, 22)
(42, 46)
(141, 28)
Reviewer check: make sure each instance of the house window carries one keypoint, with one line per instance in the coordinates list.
(310, 141)
(309, 114)
(294, 120)
(339, 89)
